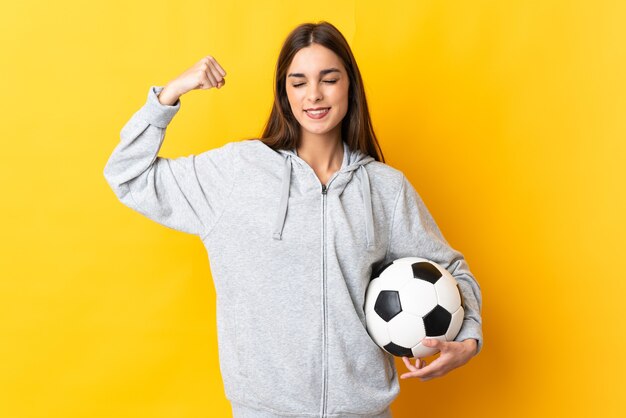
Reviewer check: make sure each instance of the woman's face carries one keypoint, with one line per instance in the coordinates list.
(317, 78)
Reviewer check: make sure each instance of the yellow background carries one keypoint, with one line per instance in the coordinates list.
(507, 116)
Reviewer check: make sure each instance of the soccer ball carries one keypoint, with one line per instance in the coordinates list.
(409, 299)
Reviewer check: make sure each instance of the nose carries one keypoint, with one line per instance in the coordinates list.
(314, 93)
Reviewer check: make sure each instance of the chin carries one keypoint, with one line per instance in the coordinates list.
(319, 131)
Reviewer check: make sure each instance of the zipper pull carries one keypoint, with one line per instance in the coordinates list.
(323, 189)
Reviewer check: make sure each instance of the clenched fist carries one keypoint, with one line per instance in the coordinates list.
(203, 75)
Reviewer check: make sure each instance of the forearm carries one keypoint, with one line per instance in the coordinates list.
(169, 95)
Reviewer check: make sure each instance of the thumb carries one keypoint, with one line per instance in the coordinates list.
(432, 342)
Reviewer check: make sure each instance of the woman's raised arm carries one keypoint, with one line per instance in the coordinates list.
(185, 193)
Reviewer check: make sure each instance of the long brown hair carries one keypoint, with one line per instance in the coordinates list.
(282, 130)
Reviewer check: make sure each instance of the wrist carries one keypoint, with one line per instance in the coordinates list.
(169, 95)
(472, 344)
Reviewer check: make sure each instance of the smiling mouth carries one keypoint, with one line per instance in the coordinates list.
(317, 111)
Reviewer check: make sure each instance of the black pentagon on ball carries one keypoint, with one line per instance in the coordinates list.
(388, 304)
(398, 350)
(426, 271)
(437, 321)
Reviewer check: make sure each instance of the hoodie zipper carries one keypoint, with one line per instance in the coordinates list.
(324, 343)
(324, 298)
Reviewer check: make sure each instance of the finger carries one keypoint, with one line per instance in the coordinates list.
(216, 74)
(419, 363)
(219, 67)
(423, 378)
(431, 376)
(435, 366)
(210, 75)
(206, 81)
(435, 343)
(408, 364)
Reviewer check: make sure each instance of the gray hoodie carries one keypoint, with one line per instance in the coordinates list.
(291, 260)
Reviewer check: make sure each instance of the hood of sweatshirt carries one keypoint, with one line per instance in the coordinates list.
(354, 161)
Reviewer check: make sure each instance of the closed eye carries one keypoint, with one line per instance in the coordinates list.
(325, 81)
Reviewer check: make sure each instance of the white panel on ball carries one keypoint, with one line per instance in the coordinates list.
(396, 276)
(455, 324)
(418, 297)
(447, 293)
(373, 289)
(377, 329)
(406, 329)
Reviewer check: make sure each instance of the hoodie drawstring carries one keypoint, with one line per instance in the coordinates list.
(367, 206)
(284, 198)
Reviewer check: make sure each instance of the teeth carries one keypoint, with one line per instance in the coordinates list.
(317, 112)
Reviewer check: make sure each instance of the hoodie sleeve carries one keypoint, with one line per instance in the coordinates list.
(414, 233)
(187, 193)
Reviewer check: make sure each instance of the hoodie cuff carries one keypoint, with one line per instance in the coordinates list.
(469, 329)
(156, 113)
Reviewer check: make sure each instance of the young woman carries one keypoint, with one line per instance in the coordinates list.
(294, 224)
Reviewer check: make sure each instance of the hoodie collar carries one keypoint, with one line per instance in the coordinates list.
(353, 161)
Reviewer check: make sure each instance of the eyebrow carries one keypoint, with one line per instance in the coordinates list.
(322, 72)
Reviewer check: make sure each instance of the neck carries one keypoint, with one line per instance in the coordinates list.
(324, 153)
